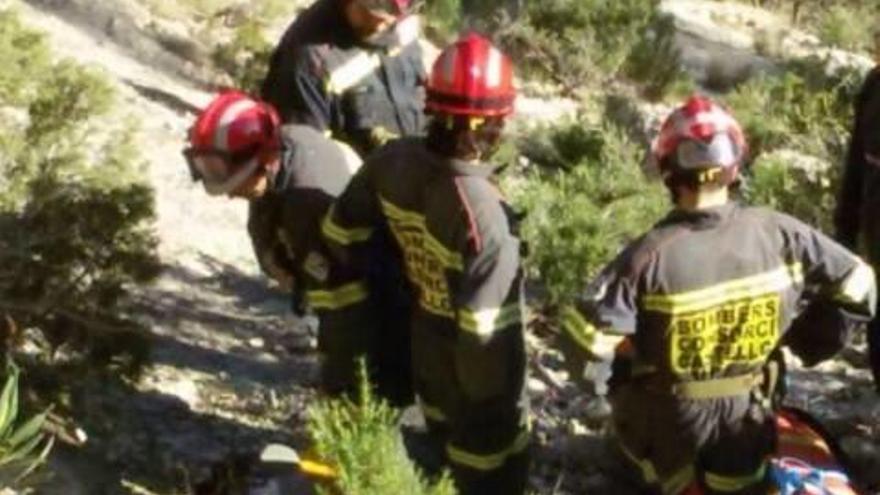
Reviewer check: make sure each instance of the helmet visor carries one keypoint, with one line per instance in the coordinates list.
(220, 172)
(720, 151)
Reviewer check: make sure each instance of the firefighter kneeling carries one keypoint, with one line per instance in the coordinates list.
(459, 245)
(690, 313)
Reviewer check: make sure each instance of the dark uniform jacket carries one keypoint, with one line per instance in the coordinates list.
(362, 92)
(856, 220)
(461, 254)
(704, 298)
(284, 224)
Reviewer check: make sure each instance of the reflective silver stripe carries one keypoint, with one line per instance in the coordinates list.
(221, 138)
(485, 322)
(493, 68)
(858, 284)
(352, 72)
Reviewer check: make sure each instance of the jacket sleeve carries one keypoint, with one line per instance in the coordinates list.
(348, 327)
(488, 300)
(271, 254)
(595, 326)
(840, 294)
(847, 215)
(296, 87)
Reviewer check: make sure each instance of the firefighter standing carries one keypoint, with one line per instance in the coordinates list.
(692, 310)
(859, 197)
(461, 253)
(291, 174)
(353, 69)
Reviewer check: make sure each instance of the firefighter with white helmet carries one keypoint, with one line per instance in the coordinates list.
(689, 313)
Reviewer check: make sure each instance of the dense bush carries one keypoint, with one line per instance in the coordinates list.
(584, 201)
(576, 42)
(75, 211)
(797, 123)
(361, 440)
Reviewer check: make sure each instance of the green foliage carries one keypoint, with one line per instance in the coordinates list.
(23, 446)
(575, 42)
(75, 213)
(246, 57)
(443, 19)
(361, 440)
(585, 202)
(797, 124)
(849, 26)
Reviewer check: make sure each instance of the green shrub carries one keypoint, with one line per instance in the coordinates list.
(584, 202)
(850, 26)
(362, 441)
(246, 57)
(75, 213)
(23, 446)
(577, 42)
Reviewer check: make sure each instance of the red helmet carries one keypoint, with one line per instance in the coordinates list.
(699, 136)
(471, 78)
(229, 139)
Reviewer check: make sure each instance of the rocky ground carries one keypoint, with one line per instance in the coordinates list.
(228, 370)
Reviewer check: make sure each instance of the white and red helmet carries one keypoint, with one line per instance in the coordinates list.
(229, 140)
(471, 78)
(699, 136)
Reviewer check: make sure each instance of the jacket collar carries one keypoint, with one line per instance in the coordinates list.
(705, 218)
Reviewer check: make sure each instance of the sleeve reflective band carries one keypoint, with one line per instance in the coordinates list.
(858, 284)
(431, 412)
(734, 484)
(599, 344)
(488, 462)
(341, 297)
(485, 322)
(341, 235)
(352, 72)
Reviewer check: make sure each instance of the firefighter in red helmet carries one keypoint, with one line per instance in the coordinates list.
(459, 246)
(352, 69)
(290, 175)
(690, 312)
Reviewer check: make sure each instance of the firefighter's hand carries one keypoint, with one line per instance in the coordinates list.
(284, 280)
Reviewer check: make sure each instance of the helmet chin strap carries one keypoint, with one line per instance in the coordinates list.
(235, 181)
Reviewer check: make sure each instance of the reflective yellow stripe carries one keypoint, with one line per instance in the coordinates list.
(352, 72)
(722, 483)
(485, 322)
(431, 412)
(649, 474)
(341, 235)
(681, 479)
(340, 297)
(488, 462)
(701, 299)
(578, 328)
(449, 258)
(858, 284)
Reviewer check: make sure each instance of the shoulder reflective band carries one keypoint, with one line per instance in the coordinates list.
(734, 484)
(341, 235)
(488, 462)
(752, 286)
(485, 322)
(858, 285)
(339, 297)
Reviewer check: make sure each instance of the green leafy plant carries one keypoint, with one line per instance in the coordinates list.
(23, 446)
(246, 57)
(361, 440)
(583, 202)
(76, 212)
